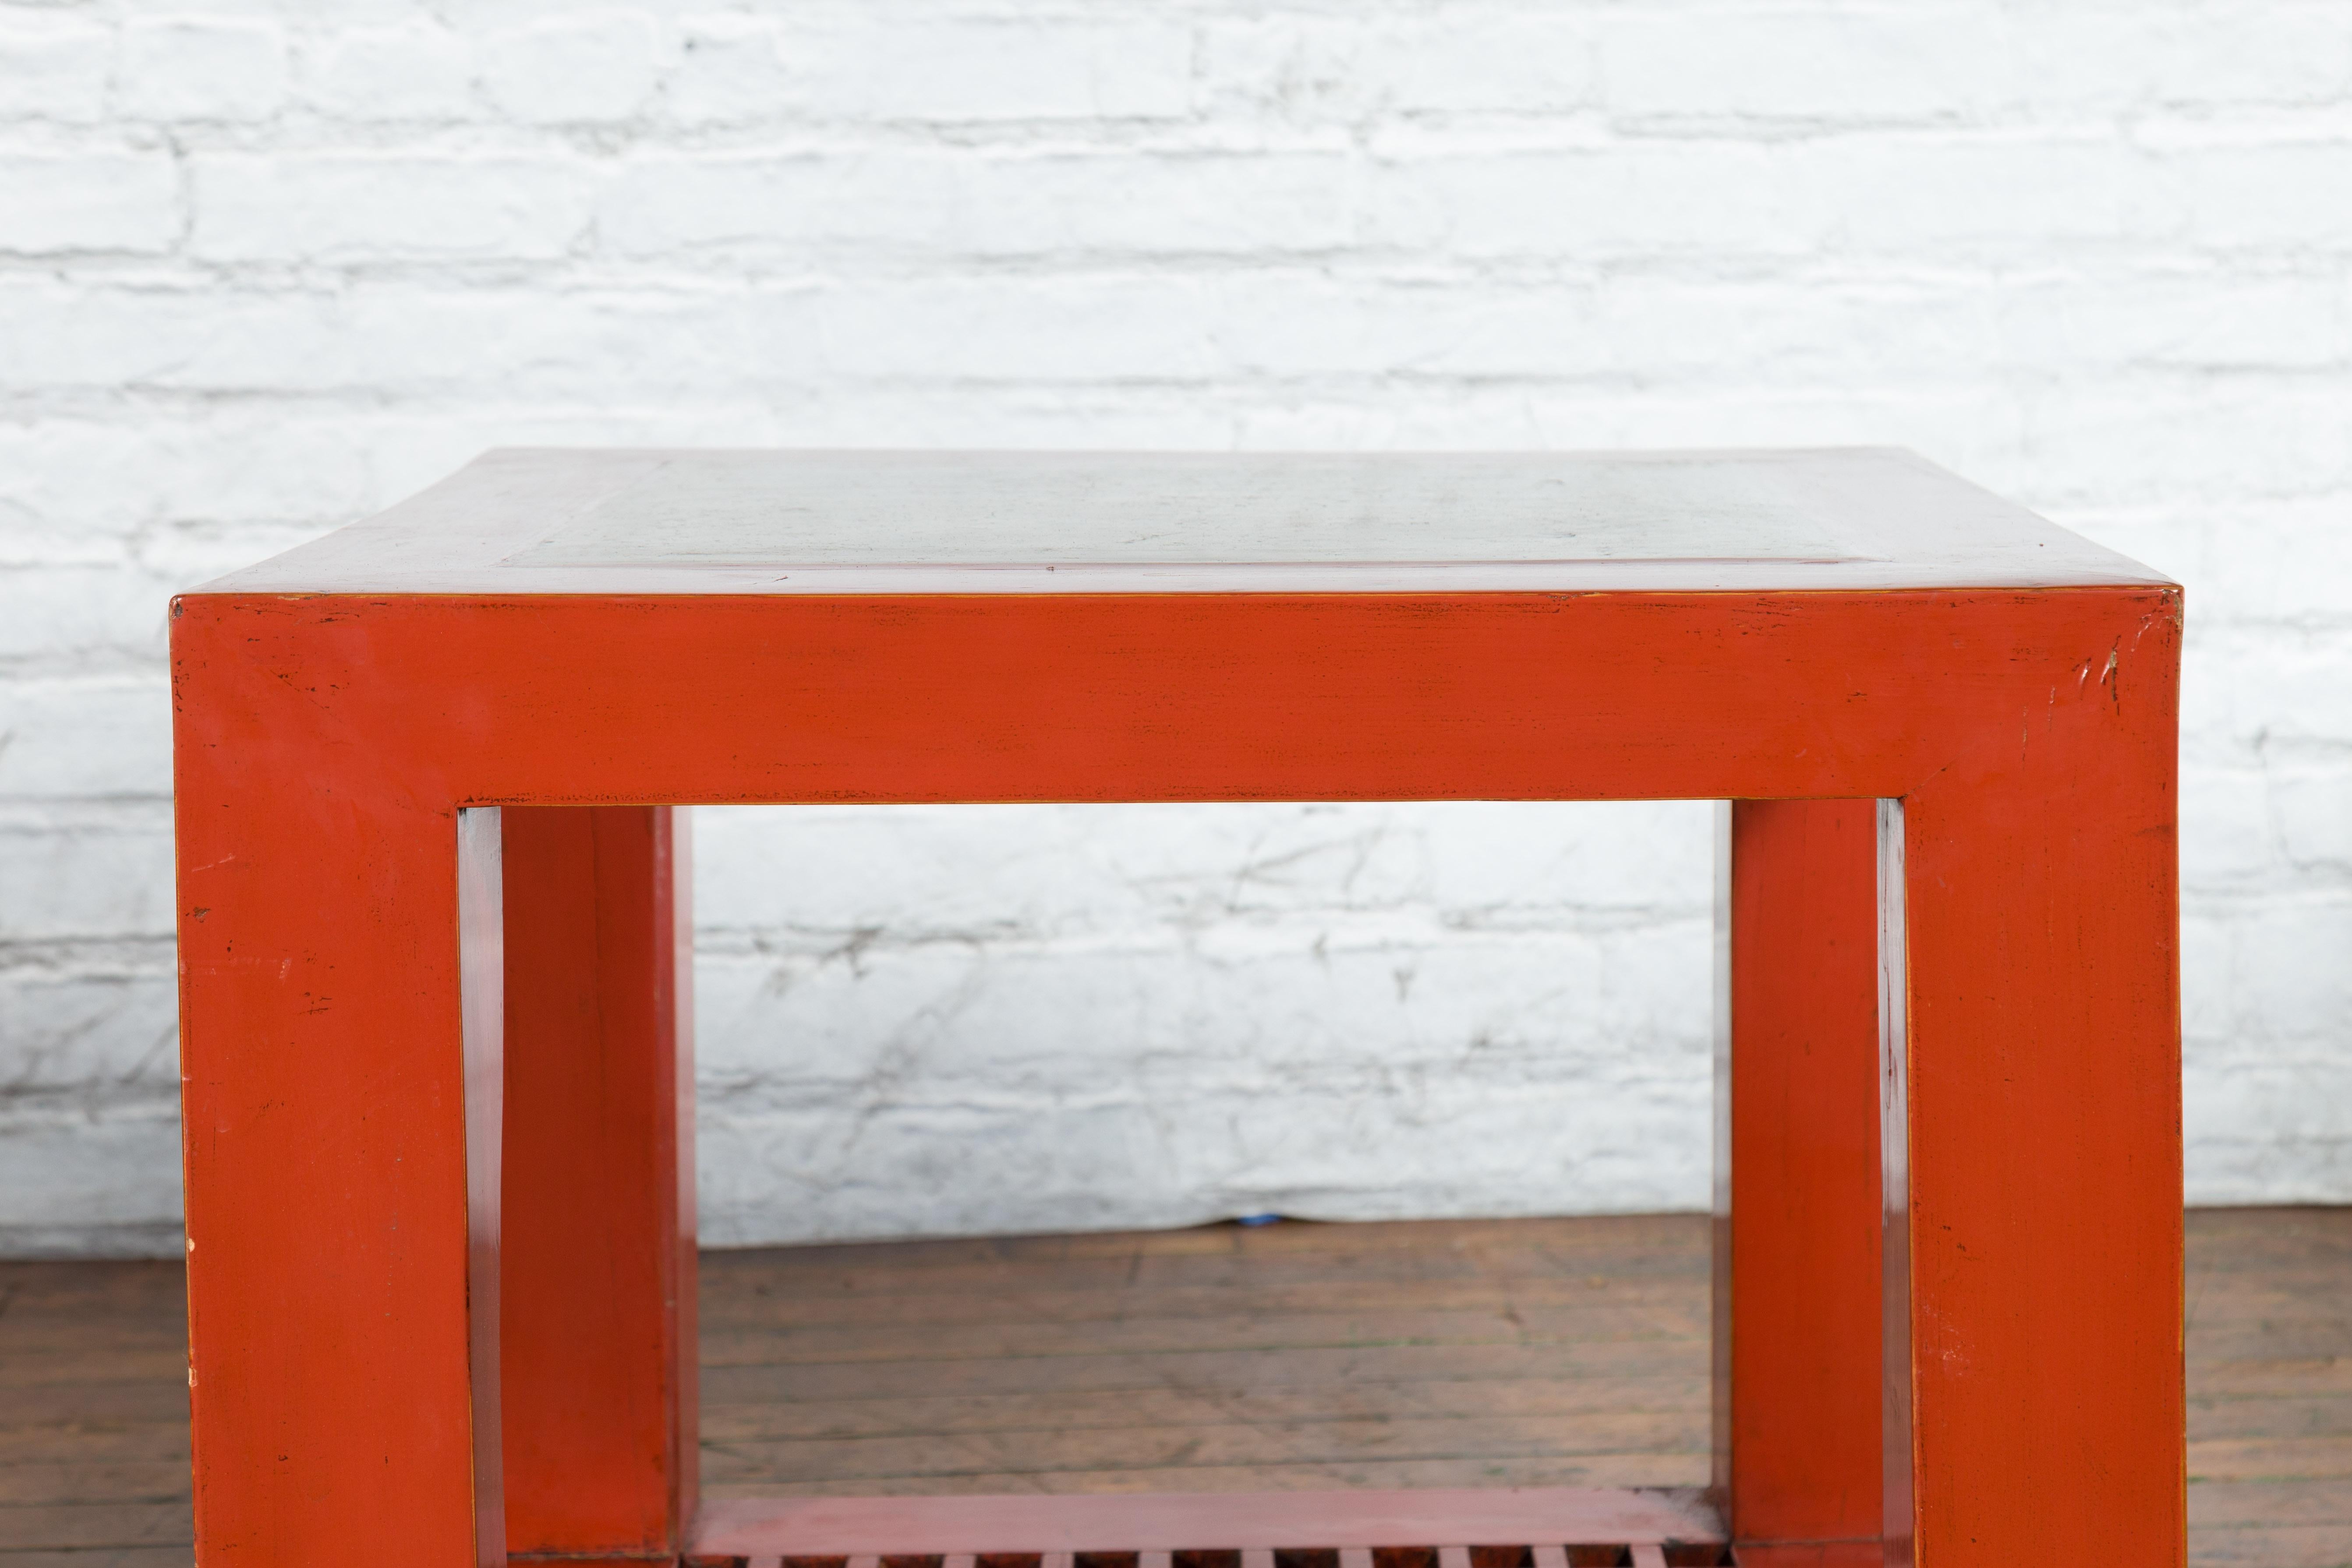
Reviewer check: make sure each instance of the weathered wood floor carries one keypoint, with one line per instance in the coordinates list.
(1444, 1354)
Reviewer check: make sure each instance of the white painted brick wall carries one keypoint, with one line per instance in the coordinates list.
(265, 267)
(959, 1019)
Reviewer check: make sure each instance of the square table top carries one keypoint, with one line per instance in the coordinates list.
(528, 522)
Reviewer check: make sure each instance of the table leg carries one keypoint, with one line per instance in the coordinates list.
(337, 1164)
(597, 1298)
(2044, 1245)
(1798, 1276)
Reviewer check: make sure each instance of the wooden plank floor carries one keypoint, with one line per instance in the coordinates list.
(1504, 1353)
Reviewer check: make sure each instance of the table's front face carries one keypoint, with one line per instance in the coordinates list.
(325, 744)
(1168, 697)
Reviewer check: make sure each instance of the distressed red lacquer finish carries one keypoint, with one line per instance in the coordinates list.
(327, 742)
(596, 1298)
(1798, 1353)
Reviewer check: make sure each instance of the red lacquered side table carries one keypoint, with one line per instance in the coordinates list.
(433, 938)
